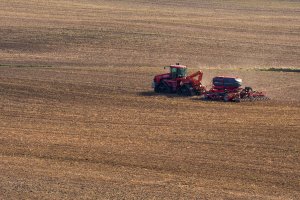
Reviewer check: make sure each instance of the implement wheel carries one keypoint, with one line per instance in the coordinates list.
(226, 98)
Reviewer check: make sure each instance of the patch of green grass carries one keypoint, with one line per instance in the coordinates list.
(281, 69)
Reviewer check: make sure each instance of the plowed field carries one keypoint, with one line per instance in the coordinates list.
(78, 119)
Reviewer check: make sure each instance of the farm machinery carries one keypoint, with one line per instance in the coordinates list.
(229, 89)
(223, 88)
(177, 81)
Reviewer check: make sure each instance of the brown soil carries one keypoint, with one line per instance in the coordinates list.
(78, 119)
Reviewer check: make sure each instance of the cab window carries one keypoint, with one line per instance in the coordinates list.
(174, 72)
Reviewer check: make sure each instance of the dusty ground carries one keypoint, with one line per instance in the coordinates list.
(78, 118)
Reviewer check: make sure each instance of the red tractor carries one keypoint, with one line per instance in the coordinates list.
(229, 89)
(177, 81)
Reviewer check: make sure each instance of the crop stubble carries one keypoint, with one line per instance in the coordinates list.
(89, 127)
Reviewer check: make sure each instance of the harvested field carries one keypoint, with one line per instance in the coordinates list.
(78, 119)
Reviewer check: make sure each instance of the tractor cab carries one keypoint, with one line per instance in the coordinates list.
(178, 71)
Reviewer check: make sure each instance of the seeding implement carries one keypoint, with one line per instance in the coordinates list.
(223, 88)
(229, 89)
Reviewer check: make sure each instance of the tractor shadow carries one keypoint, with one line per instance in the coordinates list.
(154, 94)
(174, 95)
